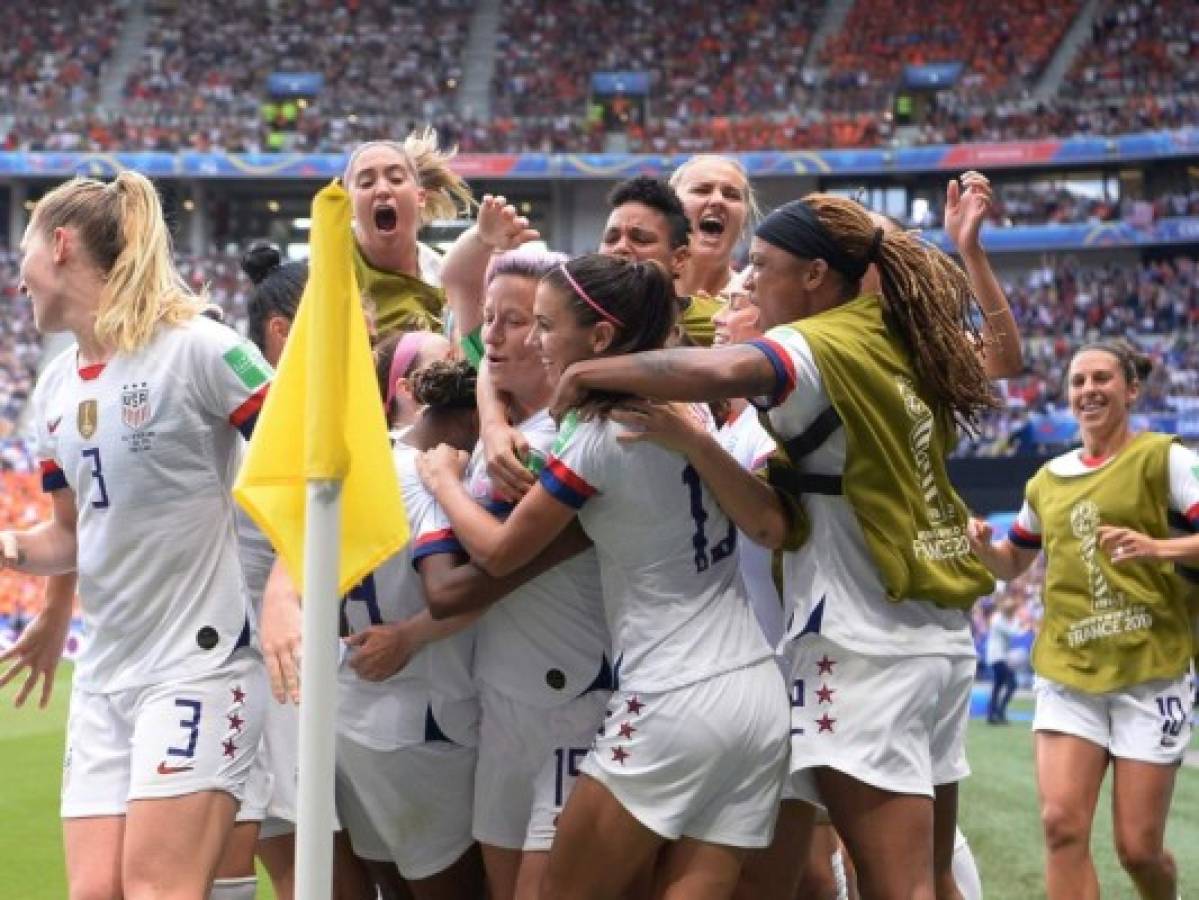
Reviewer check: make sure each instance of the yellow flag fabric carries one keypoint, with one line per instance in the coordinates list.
(323, 418)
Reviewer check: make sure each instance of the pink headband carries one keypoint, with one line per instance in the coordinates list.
(603, 313)
(401, 360)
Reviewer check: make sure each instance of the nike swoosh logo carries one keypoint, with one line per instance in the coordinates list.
(53, 426)
(164, 769)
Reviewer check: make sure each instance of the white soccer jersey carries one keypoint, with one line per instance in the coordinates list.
(676, 608)
(1183, 472)
(148, 443)
(546, 642)
(432, 696)
(831, 584)
(744, 439)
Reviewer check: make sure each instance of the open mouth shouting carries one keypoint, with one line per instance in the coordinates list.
(386, 219)
(712, 225)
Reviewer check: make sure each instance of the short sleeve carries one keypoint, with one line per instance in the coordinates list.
(577, 468)
(231, 375)
(46, 433)
(798, 396)
(1184, 484)
(1025, 532)
(433, 535)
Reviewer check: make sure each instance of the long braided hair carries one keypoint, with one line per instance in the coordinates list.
(926, 299)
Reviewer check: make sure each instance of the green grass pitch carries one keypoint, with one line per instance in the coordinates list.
(998, 814)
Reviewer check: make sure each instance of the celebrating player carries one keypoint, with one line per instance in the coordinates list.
(138, 431)
(693, 746)
(1114, 648)
(862, 393)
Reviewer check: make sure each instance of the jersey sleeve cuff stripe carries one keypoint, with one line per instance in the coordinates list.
(784, 369)
(1023, 538)
(53, 478)
(565, 485)
(435, 543)
(248, 411)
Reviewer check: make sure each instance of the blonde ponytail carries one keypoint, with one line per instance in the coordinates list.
(121, 227)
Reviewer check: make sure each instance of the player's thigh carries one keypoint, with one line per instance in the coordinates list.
(93, 848)
(774, 872)
(175, 843)
(698, 870)
(600, 846)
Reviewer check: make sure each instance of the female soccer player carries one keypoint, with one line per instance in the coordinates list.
(408, 722)
(396, 188)
(138, 431)
(397, 357)
(541, 655)
(862, 392)
(693, 745)
(719, 202)
(1114, 650)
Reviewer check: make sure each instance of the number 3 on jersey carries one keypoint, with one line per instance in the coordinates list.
(101, 502)
(699, 540)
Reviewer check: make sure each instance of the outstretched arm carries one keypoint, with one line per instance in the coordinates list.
(499, 228)
(752, 504)
(1003, 558)
(499, 548)
(694, 374)
(966, 206)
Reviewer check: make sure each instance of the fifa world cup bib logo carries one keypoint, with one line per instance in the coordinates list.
(1084, 522)
(920, 441)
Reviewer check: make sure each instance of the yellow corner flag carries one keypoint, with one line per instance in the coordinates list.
(323, 418)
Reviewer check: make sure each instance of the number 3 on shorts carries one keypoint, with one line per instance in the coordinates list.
(192, 726)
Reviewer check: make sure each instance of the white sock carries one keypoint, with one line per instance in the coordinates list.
(837, 862)
(965, 871)
(234, 888)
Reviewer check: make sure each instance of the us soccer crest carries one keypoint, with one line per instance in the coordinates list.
(87, 418)
(135, 405)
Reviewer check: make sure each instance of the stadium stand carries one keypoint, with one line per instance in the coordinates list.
(52, 55)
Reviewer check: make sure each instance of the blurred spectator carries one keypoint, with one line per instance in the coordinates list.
(1139, 47)
(52, 54)
(1003, 47)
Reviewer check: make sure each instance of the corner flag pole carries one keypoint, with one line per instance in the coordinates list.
(318, 692)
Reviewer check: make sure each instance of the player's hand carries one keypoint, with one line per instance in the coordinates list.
(381, 650)
(1124, 545)
(568, 393)
(440, 463)
(38, 650)
(280, 633)
(675, 426)
(967, 204)
(501, 227)
(504, 448)
(980, 534)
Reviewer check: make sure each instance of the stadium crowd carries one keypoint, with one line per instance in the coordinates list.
(741, 81)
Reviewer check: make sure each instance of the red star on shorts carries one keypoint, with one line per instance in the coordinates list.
(239, 696)
(825, 723)
(626, 731)
(635, 706)
(825, 665)
(620, 754)
(824, 694)
(230, 748)
(236, 722)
